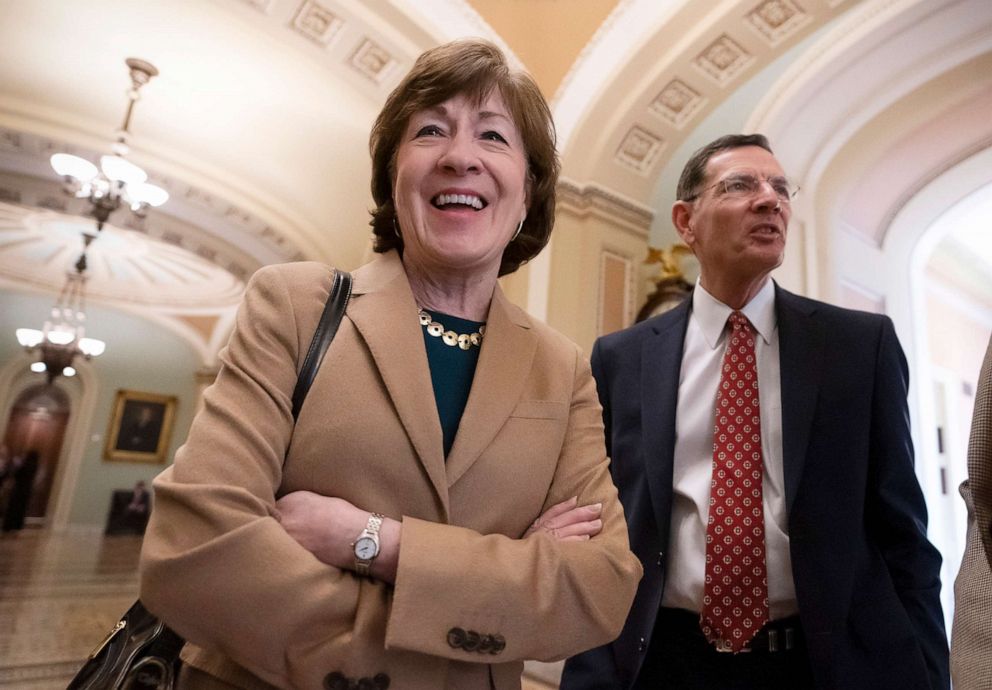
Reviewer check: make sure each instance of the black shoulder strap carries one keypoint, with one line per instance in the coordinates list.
(337, 302)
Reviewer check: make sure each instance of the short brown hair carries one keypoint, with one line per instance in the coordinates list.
(694, 172)
(474, 68)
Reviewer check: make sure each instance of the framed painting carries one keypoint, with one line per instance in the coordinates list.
(140, 427)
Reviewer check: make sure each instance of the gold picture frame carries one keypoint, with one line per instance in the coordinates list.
(140, 427)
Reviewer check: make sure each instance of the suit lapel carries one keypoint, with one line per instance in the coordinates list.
(504, 364)
(384, 312)
(800, 355)
(661, 363)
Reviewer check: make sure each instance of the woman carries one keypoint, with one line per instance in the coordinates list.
(476, 458)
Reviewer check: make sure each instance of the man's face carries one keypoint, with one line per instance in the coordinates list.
(735, 234)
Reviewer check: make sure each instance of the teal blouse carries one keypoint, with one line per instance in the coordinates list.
(452, 371)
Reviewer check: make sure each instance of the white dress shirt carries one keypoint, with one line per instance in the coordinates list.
(702, 357)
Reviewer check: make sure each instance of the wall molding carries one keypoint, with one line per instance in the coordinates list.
(583, 199)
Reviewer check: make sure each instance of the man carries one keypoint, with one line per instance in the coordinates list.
(783, 537)
(971, 634)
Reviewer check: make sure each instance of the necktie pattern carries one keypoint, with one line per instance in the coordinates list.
(735, 595)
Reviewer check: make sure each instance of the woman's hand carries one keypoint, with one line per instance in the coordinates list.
(567, 521)
(327, 527)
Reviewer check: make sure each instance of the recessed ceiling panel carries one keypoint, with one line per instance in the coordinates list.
(38, 248)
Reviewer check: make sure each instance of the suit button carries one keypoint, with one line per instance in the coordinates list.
(499, 644)
(335, 681)
(642, 645)
(485, 644)
(456, 638)
(472, 641)
(661, 558)
(380, 681)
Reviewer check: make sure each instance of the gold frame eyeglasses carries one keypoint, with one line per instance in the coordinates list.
(745, 184)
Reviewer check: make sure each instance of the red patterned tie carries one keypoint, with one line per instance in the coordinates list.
(735, 597)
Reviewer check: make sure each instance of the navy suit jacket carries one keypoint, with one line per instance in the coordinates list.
(867, 580)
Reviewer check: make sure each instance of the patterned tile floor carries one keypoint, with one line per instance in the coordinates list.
(60, 594)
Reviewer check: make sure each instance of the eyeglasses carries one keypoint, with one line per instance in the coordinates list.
(741, 185)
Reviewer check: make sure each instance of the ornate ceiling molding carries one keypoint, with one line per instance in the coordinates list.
(196, 220)
(582, 199)
(678, 62)
(38, 247)
(377, 41)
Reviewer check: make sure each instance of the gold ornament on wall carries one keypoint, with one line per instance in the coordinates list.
(671, 282)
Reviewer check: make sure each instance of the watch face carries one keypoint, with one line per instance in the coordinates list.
(366, 548)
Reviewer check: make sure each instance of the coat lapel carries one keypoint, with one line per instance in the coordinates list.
(504, 364)
(385, 313)
(661, 363)
(800, 355)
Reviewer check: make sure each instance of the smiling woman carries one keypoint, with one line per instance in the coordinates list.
(476, 76)
(442, 509)
(460, 193)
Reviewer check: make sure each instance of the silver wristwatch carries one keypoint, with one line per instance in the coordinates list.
(367, 544)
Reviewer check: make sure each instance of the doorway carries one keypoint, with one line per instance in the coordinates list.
(37, 424)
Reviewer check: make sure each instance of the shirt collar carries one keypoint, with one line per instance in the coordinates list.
(712, 314)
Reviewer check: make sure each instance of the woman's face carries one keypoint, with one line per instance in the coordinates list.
(460, 185)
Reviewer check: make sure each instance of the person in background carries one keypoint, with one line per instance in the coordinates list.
(971, 632)
(760, 442)
(137, 510)
(6, 467)
(23, 470)
(443, 508)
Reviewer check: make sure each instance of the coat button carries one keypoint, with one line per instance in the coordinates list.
(661, 558)
(335, 681)
(642, 645)
(380, 681)
(499, 644)
(485, 644)
(472, 641)
(456, 638)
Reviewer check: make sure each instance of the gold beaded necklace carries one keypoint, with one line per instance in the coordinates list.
(462, 340)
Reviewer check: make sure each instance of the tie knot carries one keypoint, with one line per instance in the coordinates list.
(738, 320)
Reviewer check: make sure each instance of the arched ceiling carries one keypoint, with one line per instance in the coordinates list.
(257, 104)
(259, 120)
(896, 95)
(678, 60)
(257, 126)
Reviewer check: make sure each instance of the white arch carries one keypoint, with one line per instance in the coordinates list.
(625, 30)
(870, 63)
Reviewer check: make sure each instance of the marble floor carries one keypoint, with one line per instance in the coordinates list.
(61, 593)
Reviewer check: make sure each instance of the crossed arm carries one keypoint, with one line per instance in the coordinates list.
(327, 526)
(219, 539)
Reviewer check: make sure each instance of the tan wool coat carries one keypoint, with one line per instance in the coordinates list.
(260, 611)
(971, 634)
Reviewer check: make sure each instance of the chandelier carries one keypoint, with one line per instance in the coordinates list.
(117, 181)
(62, 337)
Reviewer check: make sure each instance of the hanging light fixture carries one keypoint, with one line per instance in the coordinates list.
(62, 336)
(117, 181)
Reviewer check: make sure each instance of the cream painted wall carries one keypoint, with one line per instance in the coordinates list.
(589, 231)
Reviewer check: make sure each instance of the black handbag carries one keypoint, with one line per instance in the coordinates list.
(141, 652)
